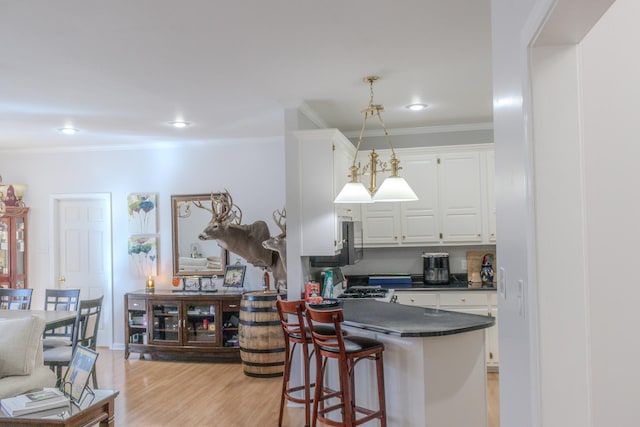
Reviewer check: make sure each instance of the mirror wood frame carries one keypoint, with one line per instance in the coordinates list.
(178, 200)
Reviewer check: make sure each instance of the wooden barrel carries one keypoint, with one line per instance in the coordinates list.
(260, 335)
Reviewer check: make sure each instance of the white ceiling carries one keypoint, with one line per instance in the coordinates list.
(120, 70)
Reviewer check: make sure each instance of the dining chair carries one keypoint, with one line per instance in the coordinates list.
(15, 299)
(60, 300)
(85, 333)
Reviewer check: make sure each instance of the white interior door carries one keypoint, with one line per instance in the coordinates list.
(82, 252)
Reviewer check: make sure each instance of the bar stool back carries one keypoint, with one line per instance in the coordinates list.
(348, 351)
(295, 332)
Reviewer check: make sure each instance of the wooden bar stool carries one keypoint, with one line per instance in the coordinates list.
(295, 332)
(348, 351)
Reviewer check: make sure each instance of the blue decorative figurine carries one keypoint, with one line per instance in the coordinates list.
(486, 272)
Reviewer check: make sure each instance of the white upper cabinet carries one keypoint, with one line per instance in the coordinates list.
(325, 158)
(407, 222)
(460, 191)
(454, 205)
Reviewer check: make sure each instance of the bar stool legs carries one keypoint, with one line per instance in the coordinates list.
(348, 352)
(295, 334)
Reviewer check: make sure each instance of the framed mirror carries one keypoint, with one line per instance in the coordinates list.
(192, 256)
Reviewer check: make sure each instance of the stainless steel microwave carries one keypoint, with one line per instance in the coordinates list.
(351, 252)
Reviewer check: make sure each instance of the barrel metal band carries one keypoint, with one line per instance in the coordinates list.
(259, 309)
(259, 297)
(264, 350)
(251, 323)
(263, 364)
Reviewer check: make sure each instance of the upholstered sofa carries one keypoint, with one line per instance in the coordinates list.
(21, 363)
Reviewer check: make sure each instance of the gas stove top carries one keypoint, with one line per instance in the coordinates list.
(371, 292)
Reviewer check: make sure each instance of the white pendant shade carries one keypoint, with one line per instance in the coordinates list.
(354, 192)
(394, 189)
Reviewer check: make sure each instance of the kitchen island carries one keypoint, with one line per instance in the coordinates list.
(434, 361)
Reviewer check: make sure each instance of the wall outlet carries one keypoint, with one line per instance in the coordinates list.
(463, 264)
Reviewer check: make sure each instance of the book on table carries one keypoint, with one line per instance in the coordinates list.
(36, 401)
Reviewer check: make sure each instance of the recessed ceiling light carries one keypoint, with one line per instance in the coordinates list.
(68, 130)
(179, 124)
(417, 107)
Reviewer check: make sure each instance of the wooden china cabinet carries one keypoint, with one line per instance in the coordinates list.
(13, 247)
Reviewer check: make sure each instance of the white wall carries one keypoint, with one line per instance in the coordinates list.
(581, 364)
(610, 107)
(517, 335)
(252, 171)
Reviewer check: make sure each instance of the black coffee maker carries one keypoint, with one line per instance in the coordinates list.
(436, 268)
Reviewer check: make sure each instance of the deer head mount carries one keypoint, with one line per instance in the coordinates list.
(245, 240)
(279, 243)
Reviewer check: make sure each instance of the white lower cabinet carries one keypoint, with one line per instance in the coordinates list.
(473, 302)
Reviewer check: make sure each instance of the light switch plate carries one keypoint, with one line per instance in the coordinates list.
(502, 283)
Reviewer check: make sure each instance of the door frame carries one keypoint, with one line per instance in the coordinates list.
(54, 257)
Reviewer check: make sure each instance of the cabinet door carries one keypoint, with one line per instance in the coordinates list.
(165, 324)
(490, 165)
(419, 219)
(381, 224)
(5, 260)
(322, 153)
(342, 160)
(200, 326)
(492, 340)
(460, 191)
(230, 322)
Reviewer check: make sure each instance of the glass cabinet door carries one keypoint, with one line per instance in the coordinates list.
(4, 250)
(165, 325)
(20, 253)
(200, 322)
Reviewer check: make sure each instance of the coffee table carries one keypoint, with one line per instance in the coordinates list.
(100, 409)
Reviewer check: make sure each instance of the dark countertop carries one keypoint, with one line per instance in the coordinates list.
(407, 321)
(421, 287)
(458, 283)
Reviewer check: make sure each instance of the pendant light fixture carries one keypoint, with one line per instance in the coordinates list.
(394, 188)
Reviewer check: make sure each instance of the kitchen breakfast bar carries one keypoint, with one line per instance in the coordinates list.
(434, 363)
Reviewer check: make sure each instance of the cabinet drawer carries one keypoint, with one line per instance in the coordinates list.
(230, 305)
(136, 304)
(462, 299)
(423, 299)
(493, 299)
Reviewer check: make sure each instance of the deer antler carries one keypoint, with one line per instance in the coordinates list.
(281, 221)
(201, 206)
(224, 209)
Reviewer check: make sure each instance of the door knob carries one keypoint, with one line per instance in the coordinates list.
(62, 279)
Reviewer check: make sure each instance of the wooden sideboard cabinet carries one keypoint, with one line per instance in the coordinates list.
(183, 324)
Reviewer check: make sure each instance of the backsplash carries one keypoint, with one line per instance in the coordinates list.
(408, 260)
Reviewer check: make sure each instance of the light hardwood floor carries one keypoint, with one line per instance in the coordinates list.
(188, 394)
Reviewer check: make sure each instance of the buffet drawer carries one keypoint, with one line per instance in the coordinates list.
(136, 304)
(231, 305)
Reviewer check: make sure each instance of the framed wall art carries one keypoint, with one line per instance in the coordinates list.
(142, 209)
(234, 275)
(143, 256)
(192, 283)
(207, 284)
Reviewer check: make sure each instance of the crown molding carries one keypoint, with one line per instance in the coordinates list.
(310, 114)
(424, 129)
